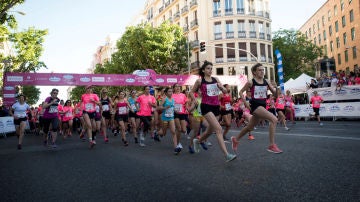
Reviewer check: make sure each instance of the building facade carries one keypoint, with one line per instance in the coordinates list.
(237, 33)
(335, 27)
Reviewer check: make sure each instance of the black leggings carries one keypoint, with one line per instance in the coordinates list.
(146, 120)
(54, 124)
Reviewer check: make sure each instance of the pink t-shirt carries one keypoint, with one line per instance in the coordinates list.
(78, 110)
(68, 113)
(316, 100)
(180, 101)
(89, 106)
(357, 80)
(144, 102)
(280, 102)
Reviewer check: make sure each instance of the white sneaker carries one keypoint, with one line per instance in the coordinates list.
(180, 146)
(321, 124)
(286, 128)
(208, 143)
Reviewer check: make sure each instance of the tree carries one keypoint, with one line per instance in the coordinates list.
(145, 47)
(5, 6)
(299, 54)
(32, 94)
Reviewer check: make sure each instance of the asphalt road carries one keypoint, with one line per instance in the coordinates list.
(318, 164)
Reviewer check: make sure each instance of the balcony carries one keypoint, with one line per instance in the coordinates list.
(177, 15)
(219, 60)
(260, 13)
(229, 35)
(195, 65)
(267, 15)
(252, 34)
(240, 11)
(228, 11)
(231, 59)
(194, 44)
(217, 13)
(218, 36)
(243, 58)
(261, 35)
(193, 4)
(186, 28)
(194, 24)
(268, 37)
(184, 10)
(241, 34)
(167, 3)
(252, 12)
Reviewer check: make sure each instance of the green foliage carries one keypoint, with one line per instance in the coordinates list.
(7, 17)
(145, 47)
(32, 94)
(299, 54)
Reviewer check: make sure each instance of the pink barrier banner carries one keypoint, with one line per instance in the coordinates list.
(138, 78)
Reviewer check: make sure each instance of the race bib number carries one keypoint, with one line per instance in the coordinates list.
(212, 89)
(89, 107)
(260, 92)
(169, 112)
(122, 110)
(68, 114)
(287, 103)
(228, 107)
(105, 108)
(178, 107)
(53, 109)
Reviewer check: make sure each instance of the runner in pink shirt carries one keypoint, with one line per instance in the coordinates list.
(316, 100)
(280, 108)
(180, 112)
(89, 101)
(146, 103)
(67, 118)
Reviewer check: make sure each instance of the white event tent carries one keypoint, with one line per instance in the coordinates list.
(298, 85)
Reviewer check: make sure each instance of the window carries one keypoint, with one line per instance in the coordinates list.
(345, 38)
(329, 15)
(336, 26)
(343, 21)
(219, 54)
(315, 40)
(335, 10)
(217, 27)
(242, 54)
(306, 34)
(339, 59)
(318, 25)
(323, 20)
(240, 6)
(353, 34)
(261, 27)
(319, 38)
(354, 52)
(228, 7)
(252, 25)
(325, 50)
(342, 6)
(229, 26)
(324, 35)
(230, 52)
(331, 46)
(272, 74)
(310, 32)
(220, 71)
(337, 42)
(351, 16)
(330, 30)
(346, 56)
(313, 28)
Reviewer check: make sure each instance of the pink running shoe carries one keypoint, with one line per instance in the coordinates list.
(251, 137)
(234, 143)
(106, 140)
(92, 144)
(274, 149)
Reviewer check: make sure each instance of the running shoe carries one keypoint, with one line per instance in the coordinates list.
(204, 146)
(142, 142)
(208, 143)
(136, 140)
(321, 124)
(54, 146)
(274, 149)
(92, 144)
(19, 147)
(196, 145)
(251, 137)
(106, 140)
(156, 137)
(180, 145)
(229, 157)
(234, 143)
(226, 140)
(177, 150)
(286, 128)
(82, 135)
(191, 150)
(125, 143)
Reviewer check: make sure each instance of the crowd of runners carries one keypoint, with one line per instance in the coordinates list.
(208, 108)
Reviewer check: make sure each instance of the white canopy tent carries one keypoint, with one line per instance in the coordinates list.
(298, 85)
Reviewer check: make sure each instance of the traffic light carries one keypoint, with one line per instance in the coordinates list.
(202, 46)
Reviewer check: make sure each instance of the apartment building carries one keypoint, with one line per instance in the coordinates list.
(335, 27)
(237, 33)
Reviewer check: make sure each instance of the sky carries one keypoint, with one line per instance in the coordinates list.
(78, 27)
